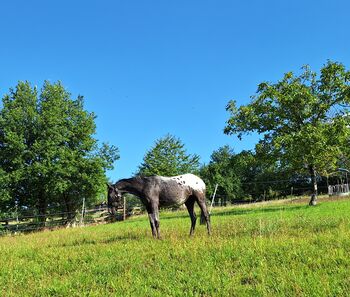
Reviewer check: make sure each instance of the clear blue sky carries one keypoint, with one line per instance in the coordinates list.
(148, 68)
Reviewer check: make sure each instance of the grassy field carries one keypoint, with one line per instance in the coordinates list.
(283, 249)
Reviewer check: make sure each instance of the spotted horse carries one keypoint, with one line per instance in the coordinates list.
(160, 191)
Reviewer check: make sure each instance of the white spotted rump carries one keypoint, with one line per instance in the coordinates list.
(189, 180)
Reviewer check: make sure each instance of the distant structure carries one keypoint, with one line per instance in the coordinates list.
(342, 186)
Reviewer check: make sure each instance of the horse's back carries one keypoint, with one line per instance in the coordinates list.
(188, 179)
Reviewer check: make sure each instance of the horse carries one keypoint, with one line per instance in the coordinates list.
(160, 191)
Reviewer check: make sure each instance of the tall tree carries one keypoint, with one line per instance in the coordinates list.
(18, 126)
(243, 176)
(48, 151)
(168, 157)
(221, 170)
(304, 119)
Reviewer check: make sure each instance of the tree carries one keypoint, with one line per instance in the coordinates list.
(222, 171)
(18, 131)
(243, 176)
(168, 157)
(304, 119)
(48, 154)
(261, 177)
(5, 197)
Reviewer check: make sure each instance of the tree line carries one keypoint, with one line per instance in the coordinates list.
(303, 121)
(50, 158)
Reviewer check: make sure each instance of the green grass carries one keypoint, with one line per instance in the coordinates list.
(274, 250)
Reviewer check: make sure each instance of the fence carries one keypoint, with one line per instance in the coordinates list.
(21, 223)
(26, 220)
(339, 190)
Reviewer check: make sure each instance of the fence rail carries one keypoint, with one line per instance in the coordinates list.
(29, 223)
(26, 220)
(341, 189)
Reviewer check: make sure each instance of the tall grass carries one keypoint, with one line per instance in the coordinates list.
(275, 250)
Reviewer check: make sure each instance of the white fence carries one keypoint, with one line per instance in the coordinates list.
(338, 190)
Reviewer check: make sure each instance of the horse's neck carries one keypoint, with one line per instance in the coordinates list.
(131, 185)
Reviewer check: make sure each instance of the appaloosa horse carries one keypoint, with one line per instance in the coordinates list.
(159, 191)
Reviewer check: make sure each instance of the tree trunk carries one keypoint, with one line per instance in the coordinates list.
(42, 206)
(70, 215)
(313, 200)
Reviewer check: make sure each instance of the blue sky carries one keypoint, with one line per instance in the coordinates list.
(148, 68)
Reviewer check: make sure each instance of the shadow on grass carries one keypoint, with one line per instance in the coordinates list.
(119, 238)
(237, 212)
(112, 239)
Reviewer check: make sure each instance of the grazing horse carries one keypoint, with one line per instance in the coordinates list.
(160, 191)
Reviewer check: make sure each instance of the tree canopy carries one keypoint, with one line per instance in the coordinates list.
(168, 157)
(48, 153)
(221, 170)
(303, 119)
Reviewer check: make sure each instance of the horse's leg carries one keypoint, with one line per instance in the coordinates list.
(155, 208)
(203, 207)
(151, 221)
(150, 212)
(157, 222)
(153, 215)
(190, 207)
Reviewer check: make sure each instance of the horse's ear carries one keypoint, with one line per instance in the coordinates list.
(108, 186)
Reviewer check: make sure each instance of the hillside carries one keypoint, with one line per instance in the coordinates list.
(278, 249)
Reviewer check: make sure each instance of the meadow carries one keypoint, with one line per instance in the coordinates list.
(278, 249)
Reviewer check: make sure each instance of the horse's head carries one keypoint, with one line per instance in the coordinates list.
(114, 196)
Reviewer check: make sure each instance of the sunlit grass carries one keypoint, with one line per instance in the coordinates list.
(274, 250)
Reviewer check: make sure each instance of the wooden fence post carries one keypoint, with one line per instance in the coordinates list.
(212, 200)
(82, 213)
(17, 220)
(124, 209)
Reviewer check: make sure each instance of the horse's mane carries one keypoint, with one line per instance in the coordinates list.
(134, 178)
(142, 177)
(137, 178)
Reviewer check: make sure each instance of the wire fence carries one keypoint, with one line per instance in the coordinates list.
(21, 223)
(28, 220)
(342, 189)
